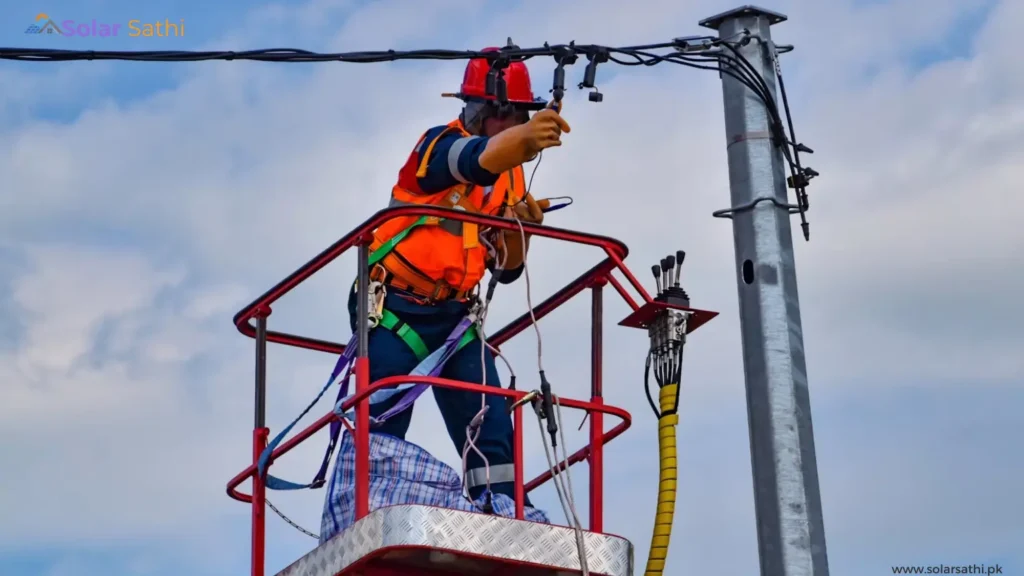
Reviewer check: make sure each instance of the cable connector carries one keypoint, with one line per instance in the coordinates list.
(693, 43)
(495, 82)
(510, 403)
(667, 331)
(564, 55)
(802, 179)
(548, 409)
(590, 73)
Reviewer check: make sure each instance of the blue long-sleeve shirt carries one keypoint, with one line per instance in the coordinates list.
(454, 160)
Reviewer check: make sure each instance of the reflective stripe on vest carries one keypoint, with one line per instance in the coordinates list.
(499, 474)
(453, 157)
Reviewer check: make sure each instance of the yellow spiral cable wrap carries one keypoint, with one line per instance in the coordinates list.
(666, 481)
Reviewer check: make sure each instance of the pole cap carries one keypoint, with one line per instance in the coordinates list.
(743, 11)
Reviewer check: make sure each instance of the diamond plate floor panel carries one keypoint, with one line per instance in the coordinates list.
(500, 539)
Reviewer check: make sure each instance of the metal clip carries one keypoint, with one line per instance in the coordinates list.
(529, 397)
(476, 308)
(376, 294)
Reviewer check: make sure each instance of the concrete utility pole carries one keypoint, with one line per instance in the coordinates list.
(790, 530)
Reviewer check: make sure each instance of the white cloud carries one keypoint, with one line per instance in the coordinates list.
(244, 171)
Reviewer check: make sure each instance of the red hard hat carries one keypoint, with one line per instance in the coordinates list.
(517, 83)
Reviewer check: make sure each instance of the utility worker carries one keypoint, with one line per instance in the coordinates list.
(430, 269)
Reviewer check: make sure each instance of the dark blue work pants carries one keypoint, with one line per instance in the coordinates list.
(389, 355)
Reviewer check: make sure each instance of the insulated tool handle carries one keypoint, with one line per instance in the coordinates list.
(546, 204)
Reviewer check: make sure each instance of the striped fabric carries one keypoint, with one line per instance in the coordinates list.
(400, 473)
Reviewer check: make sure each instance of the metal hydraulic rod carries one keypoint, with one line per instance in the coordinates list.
(261, 372)
(790, 529)
(362, 435)
(259, 442)
(596, 456)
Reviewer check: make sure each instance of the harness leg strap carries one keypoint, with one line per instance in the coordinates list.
(405, 332)
(412, 339)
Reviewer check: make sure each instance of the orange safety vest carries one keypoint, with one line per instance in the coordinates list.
(433, 257)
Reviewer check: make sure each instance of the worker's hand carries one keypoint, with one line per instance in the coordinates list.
(530, 210)
(544, 130)
(522, 143)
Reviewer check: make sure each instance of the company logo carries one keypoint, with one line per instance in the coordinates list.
(135, 28)
(43, 25)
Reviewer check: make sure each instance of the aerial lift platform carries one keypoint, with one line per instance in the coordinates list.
(426, 540)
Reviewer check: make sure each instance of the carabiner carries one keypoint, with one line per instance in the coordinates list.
(376, 294)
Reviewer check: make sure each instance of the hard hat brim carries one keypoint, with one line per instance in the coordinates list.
(532, 105)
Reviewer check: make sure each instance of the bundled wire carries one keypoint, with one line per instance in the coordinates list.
(720, 55)
(563, 485)
(295, 55)
(723, 55)
(668, 338)
(473, 430)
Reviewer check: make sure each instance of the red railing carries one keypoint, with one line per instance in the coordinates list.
(595, 279)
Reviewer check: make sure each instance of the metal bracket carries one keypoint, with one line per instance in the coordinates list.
(728, 212)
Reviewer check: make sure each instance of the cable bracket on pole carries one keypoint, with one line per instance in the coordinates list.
(729, 212)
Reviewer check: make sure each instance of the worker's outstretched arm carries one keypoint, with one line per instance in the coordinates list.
(454, 159)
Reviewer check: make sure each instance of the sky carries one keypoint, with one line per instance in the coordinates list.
(143, 204)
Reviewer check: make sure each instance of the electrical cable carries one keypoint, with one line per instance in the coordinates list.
(565, 491)
(799, 176)
(473, 429)
(567, 502)
(307, 56)
(570, 493)
(647, 385)
(694, 52)
(529, 297)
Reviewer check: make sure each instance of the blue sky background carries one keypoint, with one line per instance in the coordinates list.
(143, 204)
